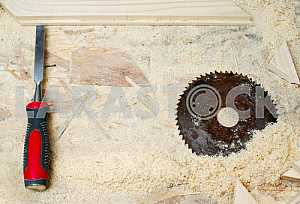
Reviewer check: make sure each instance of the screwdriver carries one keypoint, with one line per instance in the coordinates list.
(36, 146)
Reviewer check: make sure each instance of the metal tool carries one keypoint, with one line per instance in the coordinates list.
(200, 103)
(36, 150)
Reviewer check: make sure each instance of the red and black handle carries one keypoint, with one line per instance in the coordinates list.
(36, 148)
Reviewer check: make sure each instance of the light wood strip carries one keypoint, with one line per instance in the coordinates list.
(118, 12)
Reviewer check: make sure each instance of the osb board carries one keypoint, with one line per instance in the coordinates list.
(170, 12)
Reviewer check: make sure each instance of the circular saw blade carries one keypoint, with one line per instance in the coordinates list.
(200, 103)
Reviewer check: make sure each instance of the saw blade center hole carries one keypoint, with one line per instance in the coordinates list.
(228, 117)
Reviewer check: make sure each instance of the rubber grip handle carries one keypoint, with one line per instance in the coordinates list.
(36, 147)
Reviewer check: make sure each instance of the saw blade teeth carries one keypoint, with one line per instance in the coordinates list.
(185, 142)
(185, 92)
(181, 112)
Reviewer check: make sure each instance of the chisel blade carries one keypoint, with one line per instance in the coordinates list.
(39, 54)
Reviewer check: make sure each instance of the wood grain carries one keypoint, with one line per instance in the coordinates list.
(105, 67)
(117, 12)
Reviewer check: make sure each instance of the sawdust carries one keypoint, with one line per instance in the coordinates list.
(4, 113)
(275, 19)
(145, 158)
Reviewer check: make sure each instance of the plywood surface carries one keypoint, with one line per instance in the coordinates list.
(126, 12)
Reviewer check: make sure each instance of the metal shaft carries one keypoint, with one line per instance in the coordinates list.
(39, 62)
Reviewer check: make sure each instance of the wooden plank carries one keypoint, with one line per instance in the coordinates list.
(132, 12)
(242, 195)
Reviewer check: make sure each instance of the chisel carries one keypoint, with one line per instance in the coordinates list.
(36, 150)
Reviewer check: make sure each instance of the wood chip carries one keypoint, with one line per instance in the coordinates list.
(242, 195)
(291, 175)
(284, 64)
